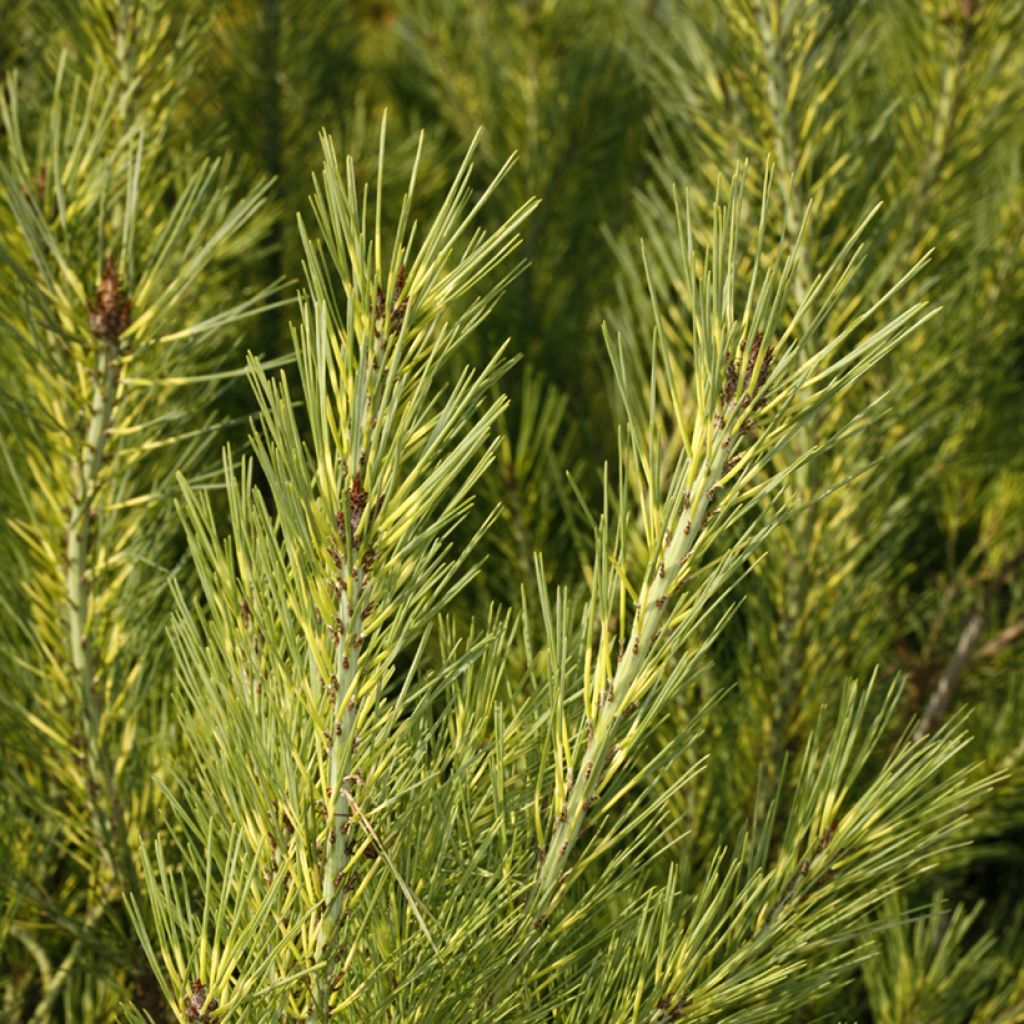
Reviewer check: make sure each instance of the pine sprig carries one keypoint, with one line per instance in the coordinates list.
(303, 686)
(111, 302)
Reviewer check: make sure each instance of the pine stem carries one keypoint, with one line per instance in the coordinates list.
(337, 845)
(651, 613)
(341, 742)
(786, 146)
(108, 820)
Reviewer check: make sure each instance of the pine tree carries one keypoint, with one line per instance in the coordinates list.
(593, 593)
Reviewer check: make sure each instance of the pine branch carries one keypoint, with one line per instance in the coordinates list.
(319, 598)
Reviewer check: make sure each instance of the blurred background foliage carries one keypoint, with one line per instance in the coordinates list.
(906, 549)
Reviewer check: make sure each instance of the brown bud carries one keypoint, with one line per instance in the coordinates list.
(110, 310)
(197, 1006)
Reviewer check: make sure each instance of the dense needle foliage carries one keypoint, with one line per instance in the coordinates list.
(512, 511)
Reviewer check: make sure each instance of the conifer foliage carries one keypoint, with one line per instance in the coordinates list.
(567, 567)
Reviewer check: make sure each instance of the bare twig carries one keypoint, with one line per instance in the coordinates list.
(1004, 638)
(949, 680)
(945, 687)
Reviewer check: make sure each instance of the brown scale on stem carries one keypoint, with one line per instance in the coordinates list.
(736, 381)
(672, 1009)
(357, 499)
